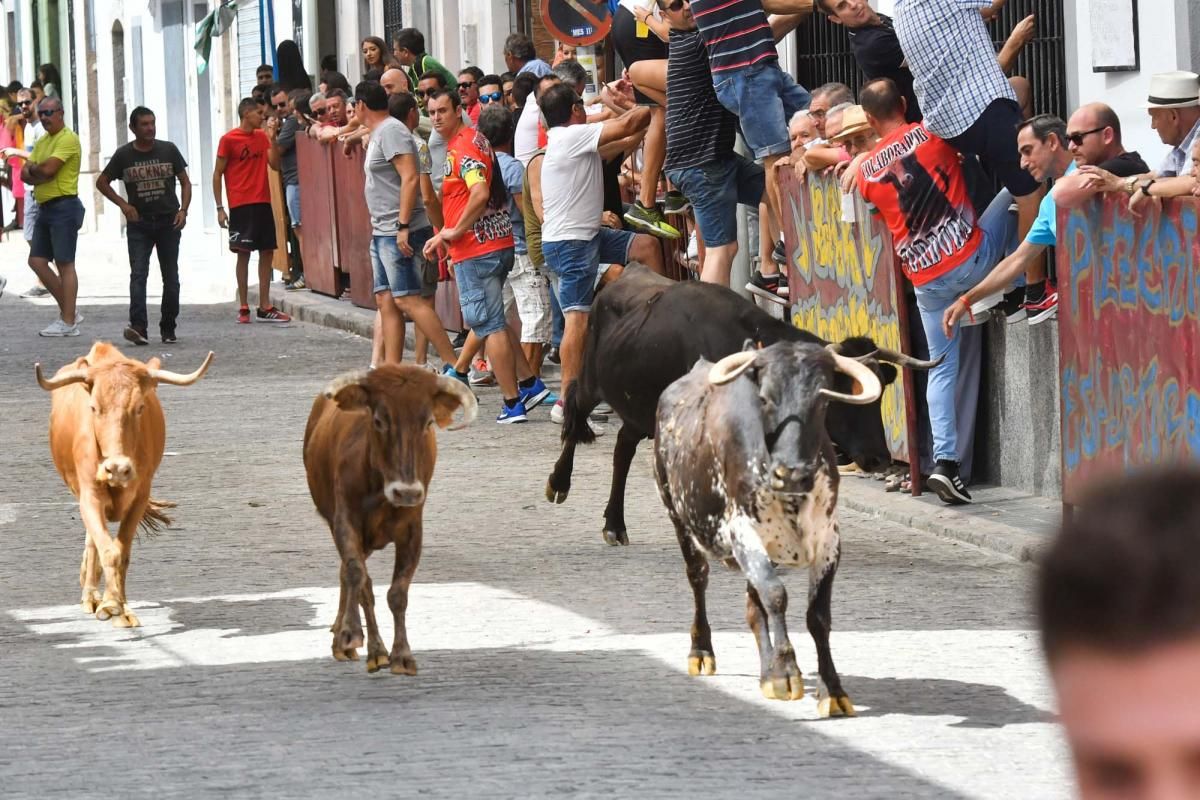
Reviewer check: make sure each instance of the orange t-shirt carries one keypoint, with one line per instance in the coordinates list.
(469, 162)
(245, 154)
(915, 180)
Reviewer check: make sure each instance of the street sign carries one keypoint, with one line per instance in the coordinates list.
(577, 22)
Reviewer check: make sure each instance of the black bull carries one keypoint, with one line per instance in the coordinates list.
(646, 331)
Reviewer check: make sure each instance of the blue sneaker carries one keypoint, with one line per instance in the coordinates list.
(509, 415)
(449, 370)
(535, 395)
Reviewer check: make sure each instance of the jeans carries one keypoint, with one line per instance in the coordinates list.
(558, 323)
(715, 189)
(143, 237)
(933, 298)
(577, 262)
(481, 290)
(764, 98)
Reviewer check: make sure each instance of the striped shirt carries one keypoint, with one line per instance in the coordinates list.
(699, 128)
(953, 62)
(736, 33)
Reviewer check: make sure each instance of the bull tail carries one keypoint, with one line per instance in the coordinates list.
(155, 517)
(575, 419)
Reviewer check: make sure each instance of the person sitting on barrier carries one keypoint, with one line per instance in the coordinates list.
(915, 180)
(1094, 136)
(1118, 608)
(1043, 147)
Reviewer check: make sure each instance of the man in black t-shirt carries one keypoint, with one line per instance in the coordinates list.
(875, 46)
(701, 162)
(149, 169)
(1094, 139)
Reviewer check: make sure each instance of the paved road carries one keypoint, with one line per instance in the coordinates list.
(550, 663)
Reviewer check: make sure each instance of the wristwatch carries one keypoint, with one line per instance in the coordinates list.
(402, 226)
(1145, 187)
(1131, 184)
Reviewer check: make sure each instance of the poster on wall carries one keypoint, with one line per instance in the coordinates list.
(1115, 46)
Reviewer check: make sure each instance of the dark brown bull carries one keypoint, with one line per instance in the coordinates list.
(369, 451)
(107, 435)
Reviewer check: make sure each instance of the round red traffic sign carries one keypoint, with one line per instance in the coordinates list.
(577, 22)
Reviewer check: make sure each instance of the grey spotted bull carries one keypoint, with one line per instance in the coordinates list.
(747, 472)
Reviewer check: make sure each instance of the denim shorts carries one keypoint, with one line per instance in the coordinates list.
(394, 271)
(292, 192)
(715, 189)
(577, 263)
(764, 98)
(481, 290)
(56, 230)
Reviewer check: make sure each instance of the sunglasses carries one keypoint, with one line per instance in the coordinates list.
(319, 112)
(466, 84)
(419, 93)
(676, 6)
(1077, 138)
(493, 97)
(48, 112)
(24, 103)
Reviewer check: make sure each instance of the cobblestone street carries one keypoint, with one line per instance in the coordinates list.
(549, 662)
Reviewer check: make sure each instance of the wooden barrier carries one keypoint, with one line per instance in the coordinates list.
(353, 244)
(318, 223)
(844, 282)
(1129, 328)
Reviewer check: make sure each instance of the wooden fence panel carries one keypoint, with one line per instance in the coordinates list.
(318, 227)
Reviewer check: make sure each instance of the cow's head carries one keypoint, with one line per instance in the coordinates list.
(119, 390)
(795, 381)
(858, 430)
(403, 404)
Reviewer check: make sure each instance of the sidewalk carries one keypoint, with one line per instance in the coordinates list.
(1001, 520)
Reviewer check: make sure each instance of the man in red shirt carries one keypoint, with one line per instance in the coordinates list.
(242, 158)
(915, 180)
(479, 236)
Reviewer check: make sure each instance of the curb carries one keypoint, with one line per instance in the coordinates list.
(306, 306)
(945, 523)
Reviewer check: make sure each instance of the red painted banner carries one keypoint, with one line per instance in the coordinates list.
(844, 282)
(1129, 333)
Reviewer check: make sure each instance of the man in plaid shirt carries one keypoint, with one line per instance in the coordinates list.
(968, 102)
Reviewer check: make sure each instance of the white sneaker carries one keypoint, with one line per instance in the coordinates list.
(556, 413)
(60, 328)
(987, 303)
(556, 416)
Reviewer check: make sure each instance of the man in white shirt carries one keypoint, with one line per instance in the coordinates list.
(573, 241)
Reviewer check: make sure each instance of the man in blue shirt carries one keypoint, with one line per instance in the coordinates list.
(520, 56)
(1042, 143)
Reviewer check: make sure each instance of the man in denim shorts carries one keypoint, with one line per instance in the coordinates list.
(400, 227)
(479, 235)
(701, 161)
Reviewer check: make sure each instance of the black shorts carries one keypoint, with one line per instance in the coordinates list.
(631, 48)
(251, 228)
(993, 138)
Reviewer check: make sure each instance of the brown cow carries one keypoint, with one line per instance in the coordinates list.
(369, 451)
(107, 435)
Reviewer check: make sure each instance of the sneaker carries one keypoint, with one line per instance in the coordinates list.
(453, 373)
(554, 357)
(296, 285)
(693, 251)
(133, 335)
(481, 377)
(556, 413)
(272, 314)
(987, 303)
(1013, 306)
(244, 315)
(595, 421)
(766, 287)
(60, 328)
(676, 203)
(649, 220)
(37, 290)
(535, 395)
(511, 414)
(779, 254)
(169, 338)
(947, 484)
(459, 340)
(1044, 308)
(783, 290)
(3, 283)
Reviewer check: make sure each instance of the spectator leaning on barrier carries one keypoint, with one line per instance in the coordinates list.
(242, 158)
(1118, 605)
(408, 45)
(149, 168)
(701, 161)
(1043, 147)
(520, 56)
(53, 171)
(968, 102)
(1094, 136)
(916, 181)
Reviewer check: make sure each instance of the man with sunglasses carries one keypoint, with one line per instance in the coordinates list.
(317, 105)
(491, 90)
(1094, 137)
(468, 92)
(53, 171)
(149, 167)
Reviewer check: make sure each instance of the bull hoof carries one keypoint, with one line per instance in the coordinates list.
(702, 662)
(127, 619)
(108, 609)
(616, 538)
(404, 665)
(90, 602)
(839, 706)
(377, 661)
(344, 655)
(556, 496)
(783, 687)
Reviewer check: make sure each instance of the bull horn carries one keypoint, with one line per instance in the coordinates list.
(470, 405)
(871, 388)
(176, 379)
(902, 360)
(60, 380)
(730, 367)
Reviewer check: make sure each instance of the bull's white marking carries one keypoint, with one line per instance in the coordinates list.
(946, 700)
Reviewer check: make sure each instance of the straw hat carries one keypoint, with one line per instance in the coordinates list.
(1174, 90)
(854, 121)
